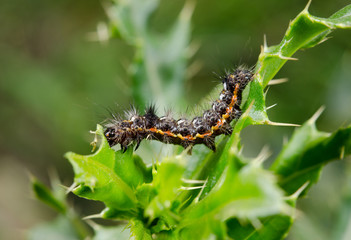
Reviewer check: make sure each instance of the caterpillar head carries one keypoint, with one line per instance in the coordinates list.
(119, 134)
(113, 136)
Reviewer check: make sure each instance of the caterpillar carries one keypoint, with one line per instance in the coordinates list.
(187, 133)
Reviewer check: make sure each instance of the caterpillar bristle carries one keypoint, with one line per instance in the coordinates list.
(131, 113)
(151, 109)
(187, 133)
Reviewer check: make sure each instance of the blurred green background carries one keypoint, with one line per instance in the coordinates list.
(55, 83)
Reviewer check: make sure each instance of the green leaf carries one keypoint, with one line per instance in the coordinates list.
(255, 103)
(204, 229)
(112, 213)
(145, 193)
(250, 193)
(304, 31)
(302, 159)
(45, 195)
(202, 163)
(97, 176)
(138, 230)
(227, 155)
(167, 183)
(131, 168)
(144, 173)
(273, 228)
(340, 19)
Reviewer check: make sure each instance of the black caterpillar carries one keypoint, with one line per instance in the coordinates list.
(202, 129)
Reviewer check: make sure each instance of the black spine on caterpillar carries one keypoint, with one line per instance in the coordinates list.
(200, 130)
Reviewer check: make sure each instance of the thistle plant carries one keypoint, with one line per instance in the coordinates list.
(208, 195)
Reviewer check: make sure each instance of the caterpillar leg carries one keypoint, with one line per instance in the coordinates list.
(124, 148)
(227, 129)
(189, 149)
(210, 143)
(138, 141)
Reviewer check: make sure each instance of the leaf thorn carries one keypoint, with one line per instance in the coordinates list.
(272, 106)
(190, 188)
(262, 156)
(325, 39)
(92, 216)
(277, 81)
(265, 47)
(307, 6)
(193, 181)
(196, 200)
(282, 124)
(296, 194)
(70, 188)
(287, 58)
(315, 116)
